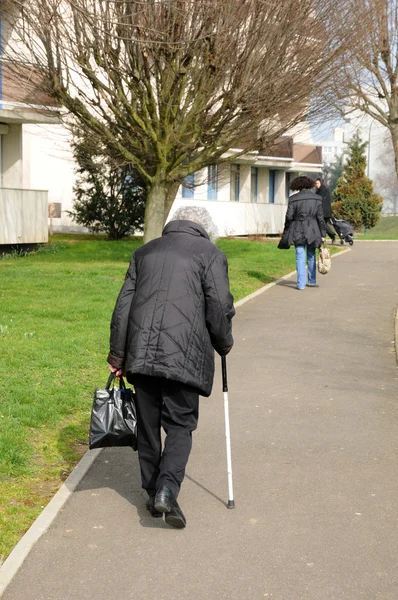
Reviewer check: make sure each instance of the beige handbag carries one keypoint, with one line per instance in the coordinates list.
(324, 260)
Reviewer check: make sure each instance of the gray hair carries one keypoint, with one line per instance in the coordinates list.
(198, 215)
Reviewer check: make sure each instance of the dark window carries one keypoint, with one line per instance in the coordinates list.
(235, 183)
(272, 178)
(254, 185)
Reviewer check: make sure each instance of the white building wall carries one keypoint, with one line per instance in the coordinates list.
(48, 164)
(332, 149)
(239, 218)
(12, 158)
(38, 157)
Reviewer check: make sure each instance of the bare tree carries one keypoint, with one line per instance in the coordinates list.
(386, 181)
(169, 86)
(367, 80)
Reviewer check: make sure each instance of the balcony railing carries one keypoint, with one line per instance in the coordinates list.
(23, 216)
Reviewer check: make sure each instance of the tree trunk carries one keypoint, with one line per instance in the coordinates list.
(159, 200)
(171, 195)
(394, 139)
(154, 210)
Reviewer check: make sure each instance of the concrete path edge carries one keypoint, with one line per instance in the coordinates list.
(14, 561)
(44, 520)
(396, 335)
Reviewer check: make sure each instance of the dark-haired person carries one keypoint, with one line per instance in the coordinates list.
(324, 193)
(305, 228)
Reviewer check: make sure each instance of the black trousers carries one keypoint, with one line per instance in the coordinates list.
(175, 407)
(331, 233)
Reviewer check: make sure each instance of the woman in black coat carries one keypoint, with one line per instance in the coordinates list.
(324, 193)
(305, 228)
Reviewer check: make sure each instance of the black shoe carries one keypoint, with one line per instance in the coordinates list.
(165, 502)
(150, 504)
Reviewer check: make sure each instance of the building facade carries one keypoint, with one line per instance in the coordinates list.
(249, 196)
(333, 148)
(28, 121)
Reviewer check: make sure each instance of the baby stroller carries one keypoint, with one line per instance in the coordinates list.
(344, 230)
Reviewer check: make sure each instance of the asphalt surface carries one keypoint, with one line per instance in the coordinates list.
(314, 416)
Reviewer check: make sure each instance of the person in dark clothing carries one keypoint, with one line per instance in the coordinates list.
(173, 311)
(304, 227)
(322, 191)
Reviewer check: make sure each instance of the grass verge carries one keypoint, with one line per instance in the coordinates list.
(386, 229)
(54, 321)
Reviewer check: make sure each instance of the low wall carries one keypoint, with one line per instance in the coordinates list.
(240, 218)
(23, 216)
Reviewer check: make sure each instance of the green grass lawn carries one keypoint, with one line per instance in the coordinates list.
(386, 229)
(55, 308)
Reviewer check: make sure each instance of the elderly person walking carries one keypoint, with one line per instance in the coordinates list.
(173, 311)
(304, 227)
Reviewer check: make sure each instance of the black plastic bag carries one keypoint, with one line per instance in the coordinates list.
(113, 417)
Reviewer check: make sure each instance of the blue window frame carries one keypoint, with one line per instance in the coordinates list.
(272, 178)
(212, 185)
(254, 184)
(188, 189)
(235, 183)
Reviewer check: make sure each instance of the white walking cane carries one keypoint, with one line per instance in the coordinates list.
(231, 502)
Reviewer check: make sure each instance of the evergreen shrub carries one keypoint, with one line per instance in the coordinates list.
(355, 199)
(109, 198)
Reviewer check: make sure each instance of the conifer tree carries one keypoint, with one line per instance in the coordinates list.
(355, 199)
(333, 172)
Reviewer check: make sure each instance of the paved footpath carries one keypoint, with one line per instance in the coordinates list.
(314, 416)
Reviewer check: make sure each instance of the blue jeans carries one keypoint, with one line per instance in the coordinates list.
(300, 266)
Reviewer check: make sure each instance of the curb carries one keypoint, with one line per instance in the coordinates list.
(396, 335)
(14, 561)
(44, 520)
(273, 283)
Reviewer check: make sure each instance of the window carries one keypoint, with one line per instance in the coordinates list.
(254, 185)
(235, 183)
(187, 189)
(212, 177)
(272, 178)
(287, 186)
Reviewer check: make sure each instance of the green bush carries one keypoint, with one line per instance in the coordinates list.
(108, 198)
(349, 211)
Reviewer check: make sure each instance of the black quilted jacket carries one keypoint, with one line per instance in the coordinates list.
(174, 308)
(304, 223)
